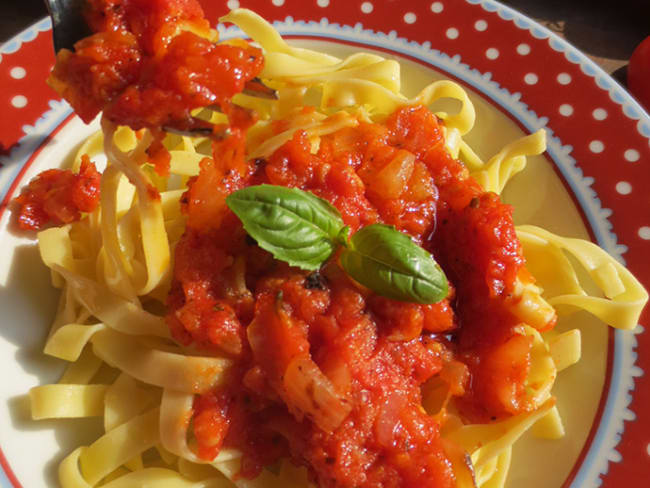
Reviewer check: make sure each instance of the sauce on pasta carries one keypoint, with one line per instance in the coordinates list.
(58, 197)
(231, 362)
(375, 353)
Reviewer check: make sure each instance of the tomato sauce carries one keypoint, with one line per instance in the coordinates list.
(146, 67)
(58, 197)
(327, 373)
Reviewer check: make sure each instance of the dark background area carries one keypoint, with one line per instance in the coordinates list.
(15, 15)
(607, 31)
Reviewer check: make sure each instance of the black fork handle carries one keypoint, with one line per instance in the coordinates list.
(68, 23)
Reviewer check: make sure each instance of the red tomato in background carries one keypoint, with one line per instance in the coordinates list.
(638, 73)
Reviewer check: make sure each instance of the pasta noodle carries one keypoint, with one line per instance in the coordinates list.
(114, 270)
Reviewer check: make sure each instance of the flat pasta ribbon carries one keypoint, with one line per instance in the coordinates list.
(495, 174)
(624, 297)
(192, 374)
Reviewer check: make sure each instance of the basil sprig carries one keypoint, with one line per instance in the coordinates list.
(304, 230)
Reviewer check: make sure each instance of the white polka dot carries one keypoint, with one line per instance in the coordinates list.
(18, 72)
(566, 109)
(632, 155)
(644, 232)
(323, 3)
(277, 3)
(531, 78)
(410, 18)
(564, 78)
(623, 187)
(367, 7)
(437, 7)
(233, 4)
(452, 33)
(596, 146)
(19, 101)
(492, 53)
(599, 114)
(647, 449)
(523, 49)
(480, 25)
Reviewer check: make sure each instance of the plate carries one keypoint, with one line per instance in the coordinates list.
(522, 77)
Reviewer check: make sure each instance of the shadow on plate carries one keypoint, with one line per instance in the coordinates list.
(29, 302)
(69, 433)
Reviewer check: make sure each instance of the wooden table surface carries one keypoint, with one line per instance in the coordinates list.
(607, 31)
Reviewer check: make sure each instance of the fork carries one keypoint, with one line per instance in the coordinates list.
(69, 26)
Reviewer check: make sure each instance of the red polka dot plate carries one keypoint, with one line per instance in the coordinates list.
(521, 77)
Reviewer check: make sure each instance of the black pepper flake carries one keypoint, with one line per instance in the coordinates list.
(315, 281)
(474, 202)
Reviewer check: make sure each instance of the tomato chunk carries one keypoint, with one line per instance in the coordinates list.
(58, 197)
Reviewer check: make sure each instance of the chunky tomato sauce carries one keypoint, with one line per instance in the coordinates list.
(145, 66)
(328, 373)
(58, 197)
(325, 372)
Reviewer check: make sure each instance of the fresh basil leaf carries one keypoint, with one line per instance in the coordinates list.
(294, 225)
(391, 264)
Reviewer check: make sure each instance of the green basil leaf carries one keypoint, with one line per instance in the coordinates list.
(391, 264)
(294, 225)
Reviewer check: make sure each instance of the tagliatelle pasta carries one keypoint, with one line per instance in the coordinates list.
(623, 300)
(116, 271)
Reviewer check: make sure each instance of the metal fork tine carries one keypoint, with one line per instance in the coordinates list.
(256, 88)
(196, 127)
(216, 108)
